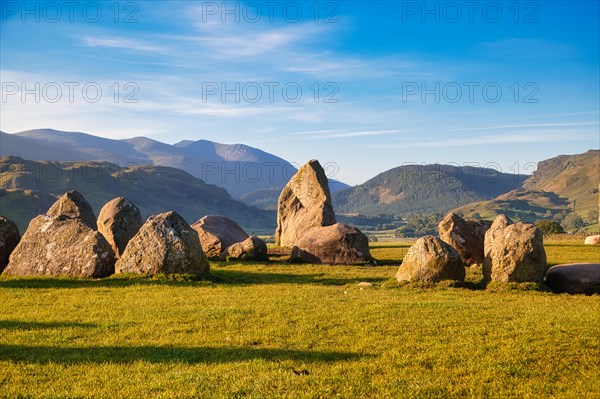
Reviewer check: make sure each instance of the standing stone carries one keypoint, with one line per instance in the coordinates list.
(63, 243)
(253, 248)
(432, 260)
(119, 220)
(516, 254)
(74, 206)
(338, 244)
(574, 278)
(61, 246)
(216, 233)
(166, 243)
(9, 238)
(499, 223)
(304, 203)
(466, 237)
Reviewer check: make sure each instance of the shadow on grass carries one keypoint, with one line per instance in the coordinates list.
(218, 277)
(36, 325)
(163, 354)
(238, 277)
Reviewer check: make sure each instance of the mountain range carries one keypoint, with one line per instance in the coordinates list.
(248, 174)
(28, 188)
(197, 178)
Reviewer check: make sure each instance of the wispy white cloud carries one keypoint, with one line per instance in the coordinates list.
(120, 43)
(340, 134)
(529, 125)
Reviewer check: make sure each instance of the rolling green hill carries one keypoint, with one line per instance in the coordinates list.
(416, 189)
(28, 188)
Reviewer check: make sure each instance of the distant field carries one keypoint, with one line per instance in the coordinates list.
(299, 331)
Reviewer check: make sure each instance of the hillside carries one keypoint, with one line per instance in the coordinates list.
(574, 177)
(28, 188)
(416, 189)
(247, 173)
(564, 189)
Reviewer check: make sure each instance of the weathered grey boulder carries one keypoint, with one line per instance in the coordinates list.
(516, 254)
(253, 248)
(216, 233)
(9, 238)
(467, 237)
(61, 246)
(74, 206)
(498, 225)
(304, 203)
(165, 243)
(574, 278)
(592, 240)
(430, 259)
(119, 220)
(336, 244)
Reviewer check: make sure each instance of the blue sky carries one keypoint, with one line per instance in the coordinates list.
(489, 83)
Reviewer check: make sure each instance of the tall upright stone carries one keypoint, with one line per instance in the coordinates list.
(304, 203)
(119, 220)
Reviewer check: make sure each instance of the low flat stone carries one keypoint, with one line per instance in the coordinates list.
(574, 278)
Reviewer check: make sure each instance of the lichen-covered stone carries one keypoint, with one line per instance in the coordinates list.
(9, 238)
(338, 244)
(61, 246)
(119, 220)
(304, 203)
(516, 254)
(217, 233)
(253, 248)
(74, 206)
(165, 243)
(431, 260)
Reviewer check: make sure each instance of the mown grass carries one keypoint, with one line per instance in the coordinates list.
(298, 331)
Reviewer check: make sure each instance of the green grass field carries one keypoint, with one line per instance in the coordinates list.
(299, 331)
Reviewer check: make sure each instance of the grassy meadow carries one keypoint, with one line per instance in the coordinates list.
(299, 331)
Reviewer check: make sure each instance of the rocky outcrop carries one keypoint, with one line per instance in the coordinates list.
(9, 238)
(165, 243)
(515, 254)
(217, 233)
(61, 246)
(432, 260)
(304, 203)
(467, 237)
(119, 220)
(574, 278)
(74, 206)
(335, 244)
(253, 248)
